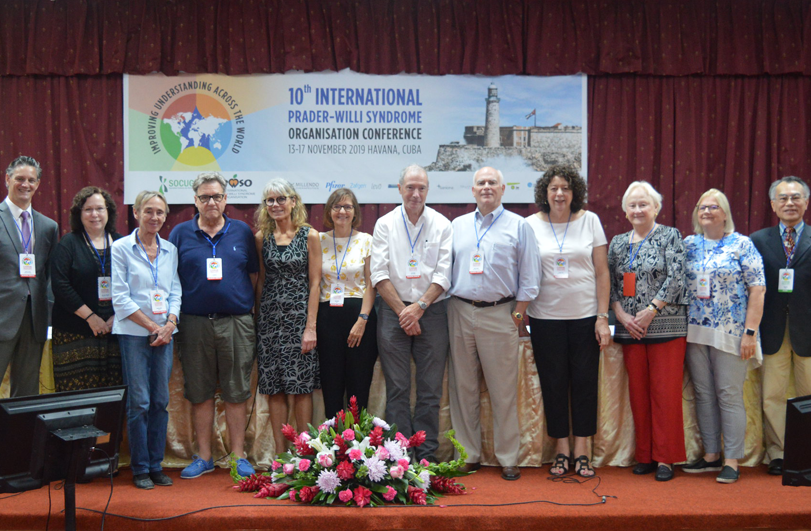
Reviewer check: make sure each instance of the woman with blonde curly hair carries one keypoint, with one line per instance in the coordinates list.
(287, 299)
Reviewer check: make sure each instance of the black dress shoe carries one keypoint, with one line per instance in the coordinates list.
(143, 481)
(160, 479)
(703, 466)
(644, 468)
(510, 473)
(469, 467)
(663, 473)
(776, 467)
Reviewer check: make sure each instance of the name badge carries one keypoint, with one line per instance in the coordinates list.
(561, 268)
(105, 289)
(703, 286)
(786, 282)
(413, 270)
(158, 299)
(28, 265)
(336, 294)
(477, 263)
(214, 268)
(629, 284)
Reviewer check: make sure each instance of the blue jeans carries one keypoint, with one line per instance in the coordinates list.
(146, 371)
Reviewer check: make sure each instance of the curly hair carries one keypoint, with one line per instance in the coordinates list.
(298, 215)
(336, 196)
(81, 198)
(571, 176)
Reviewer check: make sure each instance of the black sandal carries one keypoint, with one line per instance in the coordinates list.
(562, 461)
(582, 465)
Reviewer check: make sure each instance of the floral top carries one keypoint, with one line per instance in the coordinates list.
(733, 264)
(352, 277)
(659, 269)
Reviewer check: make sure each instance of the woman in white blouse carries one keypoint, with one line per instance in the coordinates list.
(347, 324)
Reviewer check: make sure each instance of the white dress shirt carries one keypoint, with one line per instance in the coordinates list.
(16, 213)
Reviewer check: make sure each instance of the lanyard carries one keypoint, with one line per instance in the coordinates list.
(152, 270)
(402, 211)
(335, 247)
(103, 256)
(25, 243)
(214, 245)
(704, 251)
(631, 246)
(475, 228)
(555, 234)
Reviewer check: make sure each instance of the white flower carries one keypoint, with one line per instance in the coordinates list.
(380, 423)
(328, 481)
(377, 468)
(395, 450)
(425, 479)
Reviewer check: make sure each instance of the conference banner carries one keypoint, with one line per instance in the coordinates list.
(323, 131)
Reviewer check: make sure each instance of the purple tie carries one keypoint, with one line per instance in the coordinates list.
(26, 230)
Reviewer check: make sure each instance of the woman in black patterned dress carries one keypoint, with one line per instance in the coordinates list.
(287, 299)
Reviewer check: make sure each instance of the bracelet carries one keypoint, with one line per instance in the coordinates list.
(89, 316)
(652, 307)
(173, 322)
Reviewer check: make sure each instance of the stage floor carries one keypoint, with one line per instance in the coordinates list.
(694, 501)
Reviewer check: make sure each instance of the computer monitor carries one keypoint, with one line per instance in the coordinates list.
(797, 458)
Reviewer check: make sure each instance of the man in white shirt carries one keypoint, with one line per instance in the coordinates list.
(410, 266)
(27, 241)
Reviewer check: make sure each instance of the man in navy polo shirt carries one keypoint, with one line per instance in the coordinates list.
(218, 267)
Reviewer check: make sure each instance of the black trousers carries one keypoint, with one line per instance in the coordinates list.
(567, 355)
(345, 371)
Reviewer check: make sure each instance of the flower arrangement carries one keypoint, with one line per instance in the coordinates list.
(354, 459)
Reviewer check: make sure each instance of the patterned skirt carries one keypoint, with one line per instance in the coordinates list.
(82, 362)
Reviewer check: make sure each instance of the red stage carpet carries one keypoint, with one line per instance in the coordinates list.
(688, 502)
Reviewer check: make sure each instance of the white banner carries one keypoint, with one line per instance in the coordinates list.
(332, 130)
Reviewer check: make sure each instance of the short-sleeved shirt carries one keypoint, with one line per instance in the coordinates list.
(353, 261)
(233, 294)
(733, 264)
(574, 297)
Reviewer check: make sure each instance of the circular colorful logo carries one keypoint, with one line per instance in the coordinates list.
(196, 129)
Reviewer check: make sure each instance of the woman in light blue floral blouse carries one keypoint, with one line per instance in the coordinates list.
(726, 286)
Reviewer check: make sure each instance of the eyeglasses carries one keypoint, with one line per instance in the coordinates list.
(711, 208)
(345, 208)
(281, 200)
(795, 198)
(99, 210)
(206, 198)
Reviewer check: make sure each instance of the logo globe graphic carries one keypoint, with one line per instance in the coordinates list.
(196, 129)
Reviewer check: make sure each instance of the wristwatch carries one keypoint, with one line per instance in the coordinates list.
(652, 307)
(749, 332)
(423, 306)
(364, 316)
(518, 315)
(602, 315)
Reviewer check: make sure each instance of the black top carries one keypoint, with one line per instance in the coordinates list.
(75, 270)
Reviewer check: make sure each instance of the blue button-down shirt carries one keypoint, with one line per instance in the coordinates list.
(133, 280)
(511, 257)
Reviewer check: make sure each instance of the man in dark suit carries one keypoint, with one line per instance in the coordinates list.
(26, 240)
(785, 334)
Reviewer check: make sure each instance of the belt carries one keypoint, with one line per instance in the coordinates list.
(213, 316)
(486, 304)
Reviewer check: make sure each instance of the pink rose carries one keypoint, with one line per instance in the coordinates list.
(325, 460)
(396, 472)
(275, 465)
(345, 495)
(322, 427)
(288, 468)
(401, 439)
(382, 453)
(304, 436)
(423, 462)
(389, 494)
(292, 494)
(403, 463)
(355, 454)
(304, 465)
(348, 435)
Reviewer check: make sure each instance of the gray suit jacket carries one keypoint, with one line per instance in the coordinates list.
(13, 288)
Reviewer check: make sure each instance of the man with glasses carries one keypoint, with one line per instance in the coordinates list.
(218, 268)
(784, 331)
(410, 268)
(28, 239)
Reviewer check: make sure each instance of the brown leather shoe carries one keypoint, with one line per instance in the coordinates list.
(510, 473)
(470, 467)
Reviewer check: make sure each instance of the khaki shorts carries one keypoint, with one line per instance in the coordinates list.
(217, 350)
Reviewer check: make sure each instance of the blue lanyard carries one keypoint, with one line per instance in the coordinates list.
(214, 245)
(412, 244)
(152, 270)
(560, 244)
(631, 247)
(479, 240)
(25, 243)
(103, 256)
(704, 251)
(335, 247)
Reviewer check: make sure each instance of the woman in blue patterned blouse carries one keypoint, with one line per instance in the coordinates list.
(726, 286)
